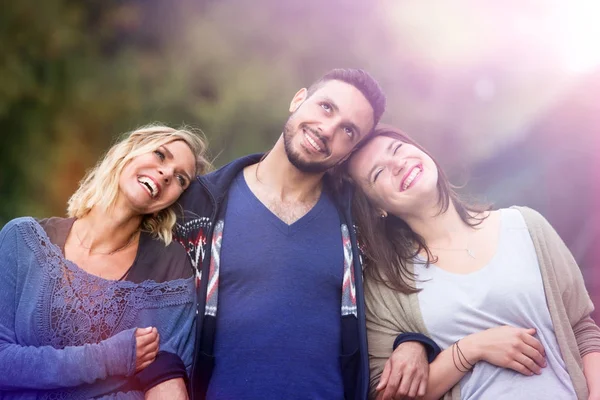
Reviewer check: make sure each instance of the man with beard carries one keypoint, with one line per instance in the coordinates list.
(280, 303)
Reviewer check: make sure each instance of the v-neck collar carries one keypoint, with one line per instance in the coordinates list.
(285, 228)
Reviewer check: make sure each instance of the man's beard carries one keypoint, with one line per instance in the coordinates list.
(309, 167)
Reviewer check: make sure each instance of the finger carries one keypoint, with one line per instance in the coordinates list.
(406, 378)
(517, 366)
(145, 345)
(414, 387)
(392, 385)
(143, 341)
(143, 331)
(149, 347)
(422, 388)
(154, 346)
(153, 336)
(150, 356)
(533, 353)
(147, 357)
(384, 376)
(533, 342)
(529, 364)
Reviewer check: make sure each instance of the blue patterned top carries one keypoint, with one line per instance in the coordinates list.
(65, 333)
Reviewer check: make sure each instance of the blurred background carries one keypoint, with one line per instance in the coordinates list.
(506, 94)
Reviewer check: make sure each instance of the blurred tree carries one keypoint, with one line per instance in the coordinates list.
(77, 73)
(52, 106)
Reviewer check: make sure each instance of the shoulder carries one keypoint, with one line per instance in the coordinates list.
(57, 227)
(532, 218)
(54, 222)
(21, 231)
(505, 219)
(197, 204)
(160, 263)
(18, 224)
(217, 183)
(539, 228)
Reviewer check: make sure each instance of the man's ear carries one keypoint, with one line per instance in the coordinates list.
(298, 99)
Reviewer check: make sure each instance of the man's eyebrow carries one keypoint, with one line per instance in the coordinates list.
(375, 166)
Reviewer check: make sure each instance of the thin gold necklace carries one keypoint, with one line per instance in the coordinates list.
(469, 251)
(131, 240)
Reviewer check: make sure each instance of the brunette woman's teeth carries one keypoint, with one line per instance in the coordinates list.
(413, 174)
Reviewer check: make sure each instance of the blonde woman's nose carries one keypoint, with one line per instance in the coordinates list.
(166, 174)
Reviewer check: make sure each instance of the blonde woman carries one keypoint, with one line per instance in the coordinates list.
(87, 301)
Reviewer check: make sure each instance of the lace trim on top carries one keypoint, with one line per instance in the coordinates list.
(75, 307)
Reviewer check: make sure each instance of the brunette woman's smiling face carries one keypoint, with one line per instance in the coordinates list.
(396, 176)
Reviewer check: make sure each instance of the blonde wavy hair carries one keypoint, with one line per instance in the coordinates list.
(100, 186)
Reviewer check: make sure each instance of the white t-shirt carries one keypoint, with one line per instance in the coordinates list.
(506, 291)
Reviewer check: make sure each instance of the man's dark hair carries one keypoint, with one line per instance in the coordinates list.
(361, 80)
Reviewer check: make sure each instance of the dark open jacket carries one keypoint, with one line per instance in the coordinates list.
(199, 231)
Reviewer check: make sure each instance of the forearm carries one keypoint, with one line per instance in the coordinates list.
(451, 365)
(172, 389)
(45, 367)
(444, 374)
(591, 370)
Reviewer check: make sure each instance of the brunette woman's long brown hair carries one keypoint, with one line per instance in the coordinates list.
(389, 244)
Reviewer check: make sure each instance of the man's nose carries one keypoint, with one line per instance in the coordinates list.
(328, 128)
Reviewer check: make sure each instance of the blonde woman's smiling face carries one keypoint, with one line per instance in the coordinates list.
(153, 181)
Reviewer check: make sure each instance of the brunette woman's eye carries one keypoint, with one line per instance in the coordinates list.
(397, 147)
(377, 175)
(181, 180)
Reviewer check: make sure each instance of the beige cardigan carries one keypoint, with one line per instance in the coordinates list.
(390, 312)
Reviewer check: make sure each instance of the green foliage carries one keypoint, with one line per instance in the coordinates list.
(76, 74)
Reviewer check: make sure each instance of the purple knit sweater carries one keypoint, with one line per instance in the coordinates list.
(65, 333)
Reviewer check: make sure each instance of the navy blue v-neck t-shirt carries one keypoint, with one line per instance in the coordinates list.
(278, 330)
